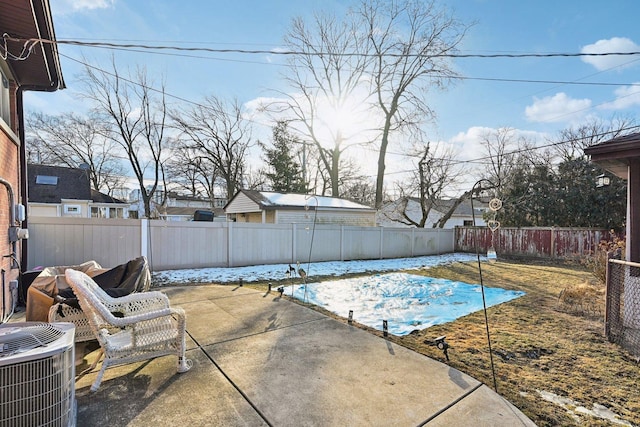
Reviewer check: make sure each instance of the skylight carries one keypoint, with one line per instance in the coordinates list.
(46, 180)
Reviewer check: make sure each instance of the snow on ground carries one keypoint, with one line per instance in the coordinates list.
(255, 273)
(407, 302)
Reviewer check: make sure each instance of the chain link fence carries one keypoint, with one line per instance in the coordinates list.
(622, 312)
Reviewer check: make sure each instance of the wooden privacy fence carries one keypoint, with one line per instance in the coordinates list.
(179, 245)
(535, 242)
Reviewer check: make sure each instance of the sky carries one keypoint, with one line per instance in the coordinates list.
(469, 108)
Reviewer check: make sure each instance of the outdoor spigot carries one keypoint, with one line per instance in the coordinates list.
(443, 345)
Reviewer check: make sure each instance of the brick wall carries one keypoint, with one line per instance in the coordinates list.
(9, 171)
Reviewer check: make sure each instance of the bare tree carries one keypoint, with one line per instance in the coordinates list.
(501, 147)
(361, 190)
(220, 138)
(134, 115)
(71, 140)
(408, 41)
(325, 85)
(576, 139)
(191, 172)
(435, 171)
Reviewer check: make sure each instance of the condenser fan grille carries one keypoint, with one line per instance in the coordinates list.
(19, 339)
(37, 375)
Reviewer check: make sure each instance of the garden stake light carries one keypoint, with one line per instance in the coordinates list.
(484, 301)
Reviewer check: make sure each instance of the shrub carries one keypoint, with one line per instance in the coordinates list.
(597, 262)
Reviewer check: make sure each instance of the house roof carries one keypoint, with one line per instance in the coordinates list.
(615, 154)
(464, 209)
(31, 19)
(69, 183)
(98, 197)
(268, 200)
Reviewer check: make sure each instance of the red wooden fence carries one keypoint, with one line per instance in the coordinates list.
(534, 242)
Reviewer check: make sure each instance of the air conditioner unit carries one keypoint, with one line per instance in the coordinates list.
(37, 374)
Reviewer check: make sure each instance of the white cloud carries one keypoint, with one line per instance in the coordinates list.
(556, 108)
(626, 97)
(78, 5)
(614, 44)
(470, 143)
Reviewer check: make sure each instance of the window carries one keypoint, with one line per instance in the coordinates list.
(106, 212)
(468, 223)
(72, 209)
(5, 108)
(98, 212)
(46, 180)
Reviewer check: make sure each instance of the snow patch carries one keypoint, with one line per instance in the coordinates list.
(267, 272)
(575, 409)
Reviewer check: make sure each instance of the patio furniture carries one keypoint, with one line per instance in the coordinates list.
(131, 328)
(134, 276)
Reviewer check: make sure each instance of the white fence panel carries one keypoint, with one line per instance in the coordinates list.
(321, 243)
(259, 243)
(178, 245)
(71, 241)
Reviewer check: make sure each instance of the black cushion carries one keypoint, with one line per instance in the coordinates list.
(116, 282)
(111, 278)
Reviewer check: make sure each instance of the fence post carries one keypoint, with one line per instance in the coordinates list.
(294, 241)
(341, 242)
(144, 238)
(609, 296)
(381, 241)
(413, 238)
(230, 244)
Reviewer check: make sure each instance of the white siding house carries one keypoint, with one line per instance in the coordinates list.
(391, 214)
(57, 191)
(277, 208)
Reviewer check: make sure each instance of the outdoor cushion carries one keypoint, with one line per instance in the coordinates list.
(116, 282)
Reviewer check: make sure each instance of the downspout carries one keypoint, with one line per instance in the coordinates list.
(23, 171)
(12, 221)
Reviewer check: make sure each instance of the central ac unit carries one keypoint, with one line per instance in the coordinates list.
(37, 374)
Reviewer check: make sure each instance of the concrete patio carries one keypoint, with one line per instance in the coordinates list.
(262, 360)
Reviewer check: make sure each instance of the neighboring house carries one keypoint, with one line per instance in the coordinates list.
(174, 207)
(390, 215)
(278, 208)
(621, 156)
(66, 192)
(182, 208)
(33, 69)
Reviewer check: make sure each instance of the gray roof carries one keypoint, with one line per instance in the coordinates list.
(272, 200)
(464, 209)
(70, 183)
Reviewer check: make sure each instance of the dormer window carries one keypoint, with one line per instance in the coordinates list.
(46, 180)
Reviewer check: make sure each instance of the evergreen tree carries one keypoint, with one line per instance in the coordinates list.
(283, 172)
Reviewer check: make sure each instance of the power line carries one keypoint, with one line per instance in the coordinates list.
(151, 88)
(30, 42)
(321, 53)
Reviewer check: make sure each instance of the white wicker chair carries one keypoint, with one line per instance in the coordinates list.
(61, 312)
(148, 328)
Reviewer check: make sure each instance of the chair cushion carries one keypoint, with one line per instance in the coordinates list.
(116, 282)
(111, 278)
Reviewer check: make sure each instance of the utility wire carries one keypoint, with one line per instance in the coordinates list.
(30, 42)
(321, 53)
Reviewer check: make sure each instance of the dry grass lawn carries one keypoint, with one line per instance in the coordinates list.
(549, 341)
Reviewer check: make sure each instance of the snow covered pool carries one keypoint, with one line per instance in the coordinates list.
(406, 301)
